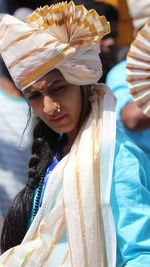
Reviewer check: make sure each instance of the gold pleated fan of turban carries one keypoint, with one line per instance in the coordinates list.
(138, 69)
(62, 36)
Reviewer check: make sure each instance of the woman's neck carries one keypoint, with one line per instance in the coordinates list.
(72, 135)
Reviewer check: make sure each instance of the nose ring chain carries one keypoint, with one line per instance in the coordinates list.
(57, 106)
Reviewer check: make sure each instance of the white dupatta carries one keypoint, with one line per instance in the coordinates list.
(84, 178)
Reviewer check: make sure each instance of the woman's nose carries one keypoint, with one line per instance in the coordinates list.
(49, 106)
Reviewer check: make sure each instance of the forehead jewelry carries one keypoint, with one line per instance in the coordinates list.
(57, 105)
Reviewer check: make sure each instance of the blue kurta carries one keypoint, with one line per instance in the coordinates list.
(130, 201)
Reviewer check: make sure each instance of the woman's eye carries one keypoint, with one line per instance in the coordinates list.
(33, 96)
(59, 89)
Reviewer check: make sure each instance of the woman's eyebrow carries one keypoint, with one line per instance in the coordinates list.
(55, 82)
(31, 90)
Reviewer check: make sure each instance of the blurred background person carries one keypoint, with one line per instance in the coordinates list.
(134, 123)
(2, 6)
(14, 139)
(14, 146)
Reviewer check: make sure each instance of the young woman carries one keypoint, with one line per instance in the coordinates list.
(80, 170)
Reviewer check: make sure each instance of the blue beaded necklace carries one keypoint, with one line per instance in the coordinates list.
(39, 192)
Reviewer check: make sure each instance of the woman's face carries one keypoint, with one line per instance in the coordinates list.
(50, 89)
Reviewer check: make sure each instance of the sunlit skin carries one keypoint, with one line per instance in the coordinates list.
(51, 89)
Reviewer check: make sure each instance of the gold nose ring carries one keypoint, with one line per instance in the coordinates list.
(57, 106)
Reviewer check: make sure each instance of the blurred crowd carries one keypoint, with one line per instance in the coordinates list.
(14, 111)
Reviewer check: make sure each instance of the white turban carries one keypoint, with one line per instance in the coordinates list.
(139, 11)
(62, 36)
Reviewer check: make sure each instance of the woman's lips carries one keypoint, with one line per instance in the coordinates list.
(57, 119)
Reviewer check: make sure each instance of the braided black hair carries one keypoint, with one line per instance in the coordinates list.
(17, 220)
(46, 143)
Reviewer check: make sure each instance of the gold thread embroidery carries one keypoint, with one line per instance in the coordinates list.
(96, 175)
(65, 259)
(29, 54)
(82, 224)
(54, 241)
(21, 38)
(31, 76)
